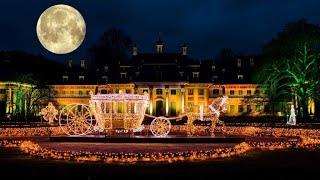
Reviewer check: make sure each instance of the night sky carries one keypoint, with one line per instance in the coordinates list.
(205, 25)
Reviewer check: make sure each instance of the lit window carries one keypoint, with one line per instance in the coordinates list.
(240, 92)
(195, 75)
(249, 92)
(232, 108)
(201, 92)
(145, 91)
(223, 70)
(190, 91)
(240, 108)
(240, 77)
(258, 107)
(159, 91)
(173, 92)
(231, 92)
(181, 73)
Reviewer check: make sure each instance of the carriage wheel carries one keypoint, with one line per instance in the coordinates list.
(160, 127)
(76, 119)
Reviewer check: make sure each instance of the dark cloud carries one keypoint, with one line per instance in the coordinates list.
(205, 25)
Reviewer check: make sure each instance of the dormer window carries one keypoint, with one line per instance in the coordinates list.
(240, 77)
(123, 75)
(81, 78)
(65, 78)
(195, 75)
(213, 68)
(238, 62)
(214, 78)
(105, 78)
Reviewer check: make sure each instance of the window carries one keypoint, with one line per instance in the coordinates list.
(80, 93)
(239, 62)
(213, 68)
(173, 92)
(105, 78)
(215, 92)
(249, 108)
(214, 78)
(240, 108)
(2, 91)
(231, 92)
(190, 91)
(240, 92)
(117, 91)
(240, 77)
(123, 75)
(81, 78)
(145, 91)
(201, 92)
(65, 78)
(195, 75)
(223, 70)
(159, 91)
(249, 92)
(181, 73)
(257, 92)
(128, 91)
(258, 107)
(232, 108)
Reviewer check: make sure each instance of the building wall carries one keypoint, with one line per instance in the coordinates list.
(172, 99)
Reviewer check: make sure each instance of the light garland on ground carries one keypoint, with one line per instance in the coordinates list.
(178, 129)
(294, 139)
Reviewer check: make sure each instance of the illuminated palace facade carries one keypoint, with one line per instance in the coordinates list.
(175, 82)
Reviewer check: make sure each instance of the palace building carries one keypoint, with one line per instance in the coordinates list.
(175, 82)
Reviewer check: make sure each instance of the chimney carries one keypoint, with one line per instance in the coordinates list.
(134, 50)
(83, 63)
(70, 63)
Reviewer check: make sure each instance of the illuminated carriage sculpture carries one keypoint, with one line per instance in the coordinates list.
(110, 111)
(121, 111)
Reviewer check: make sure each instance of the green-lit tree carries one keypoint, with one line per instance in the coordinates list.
(303, 72)
(30, 98)
(290, 66)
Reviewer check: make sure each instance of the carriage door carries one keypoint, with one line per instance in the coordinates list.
(159, 108)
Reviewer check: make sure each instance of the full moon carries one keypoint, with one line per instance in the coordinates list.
(61, 29)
